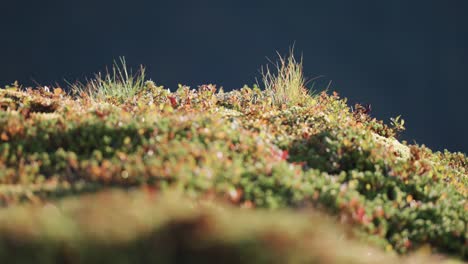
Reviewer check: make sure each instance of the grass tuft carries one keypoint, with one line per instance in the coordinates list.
(120, 83)
(286, 84)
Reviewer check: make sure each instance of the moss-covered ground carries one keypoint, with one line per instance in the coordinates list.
(199, 175)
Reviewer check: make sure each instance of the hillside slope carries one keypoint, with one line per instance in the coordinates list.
(293, 158)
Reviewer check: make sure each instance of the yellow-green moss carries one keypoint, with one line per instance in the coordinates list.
(235, 146)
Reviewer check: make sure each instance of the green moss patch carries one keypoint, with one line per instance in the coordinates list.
(238, 147)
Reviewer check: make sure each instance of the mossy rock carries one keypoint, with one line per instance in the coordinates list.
(236, 148)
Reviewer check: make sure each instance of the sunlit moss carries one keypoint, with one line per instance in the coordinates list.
(240, 147)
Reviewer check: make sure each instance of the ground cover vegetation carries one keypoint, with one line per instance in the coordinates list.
(278, 174)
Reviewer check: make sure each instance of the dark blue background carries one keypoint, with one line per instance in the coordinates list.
(403, 57)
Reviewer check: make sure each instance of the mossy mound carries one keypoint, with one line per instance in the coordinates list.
(141, 226)
(238, 147)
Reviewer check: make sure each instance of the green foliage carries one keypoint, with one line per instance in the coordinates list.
(240, 147)
(398, 123)
(166, 228)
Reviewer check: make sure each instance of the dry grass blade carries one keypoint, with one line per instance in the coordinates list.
(286, 85)
(120, 83)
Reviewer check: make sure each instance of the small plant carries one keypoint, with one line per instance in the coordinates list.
(398, 123)
(288, 84)
(14, 86)
(119, 84)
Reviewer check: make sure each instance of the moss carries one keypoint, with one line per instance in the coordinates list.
(171, 229)
(238, 147)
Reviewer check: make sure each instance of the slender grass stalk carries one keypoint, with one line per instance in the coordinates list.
(118, 84)
(286, 85)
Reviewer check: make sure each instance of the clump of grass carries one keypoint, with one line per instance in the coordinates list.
(118, 84)
(286, 85)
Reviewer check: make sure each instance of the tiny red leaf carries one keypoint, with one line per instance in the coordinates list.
(173, 101)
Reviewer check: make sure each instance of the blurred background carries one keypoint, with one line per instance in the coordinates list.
(406, 58)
